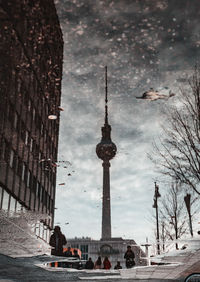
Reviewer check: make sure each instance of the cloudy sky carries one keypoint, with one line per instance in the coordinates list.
(144, 44)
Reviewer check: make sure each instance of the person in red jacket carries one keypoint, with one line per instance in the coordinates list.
(106, 263)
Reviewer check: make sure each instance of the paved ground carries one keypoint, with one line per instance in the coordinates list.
(17, 241)
(26, 270)
(33, 269)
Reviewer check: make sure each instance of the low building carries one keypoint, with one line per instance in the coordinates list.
(114, 249)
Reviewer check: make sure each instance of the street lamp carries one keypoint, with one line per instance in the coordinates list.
(155, 206)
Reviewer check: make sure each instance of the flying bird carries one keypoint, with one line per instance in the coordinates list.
(153, 95)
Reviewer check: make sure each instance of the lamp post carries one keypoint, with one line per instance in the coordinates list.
(188, 205)
(147, 245)
(155, 205)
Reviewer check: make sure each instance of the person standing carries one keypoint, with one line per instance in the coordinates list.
(98, 263)
(129, 256)
(57, 240)
(106, 263)
(89, 264)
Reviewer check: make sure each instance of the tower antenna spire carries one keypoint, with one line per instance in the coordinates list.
(106, 96)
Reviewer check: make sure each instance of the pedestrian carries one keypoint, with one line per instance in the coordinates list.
(68, 253)
(118, 265)
(106, 263)
(89, 264)
(57, 240)
(98, 263)
(129, 256)
(76, 255)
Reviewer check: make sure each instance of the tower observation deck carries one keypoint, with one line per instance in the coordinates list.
(106, 150)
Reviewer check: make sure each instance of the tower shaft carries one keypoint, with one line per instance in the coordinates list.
(106, 150)
(106, 212)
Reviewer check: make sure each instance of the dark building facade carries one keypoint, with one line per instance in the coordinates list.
(31, 55)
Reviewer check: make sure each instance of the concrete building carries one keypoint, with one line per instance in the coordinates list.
(31, 54)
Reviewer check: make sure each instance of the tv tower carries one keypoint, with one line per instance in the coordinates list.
(106, 150)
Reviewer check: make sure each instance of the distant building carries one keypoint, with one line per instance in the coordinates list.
(114, 249)
(31, 55)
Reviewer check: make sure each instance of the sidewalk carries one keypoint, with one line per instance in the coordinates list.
(178, 266)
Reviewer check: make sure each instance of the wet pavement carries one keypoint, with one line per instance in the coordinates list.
(28, 269)
(32, 267)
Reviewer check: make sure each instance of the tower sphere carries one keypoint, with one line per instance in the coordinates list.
(106, 150)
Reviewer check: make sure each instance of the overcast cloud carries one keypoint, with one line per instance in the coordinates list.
(144, 44)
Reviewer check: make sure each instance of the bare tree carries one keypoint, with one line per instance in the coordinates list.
(173, 213)
(178, 154)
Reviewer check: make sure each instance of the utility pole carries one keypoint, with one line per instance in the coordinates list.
(155, 205)
(188, 206)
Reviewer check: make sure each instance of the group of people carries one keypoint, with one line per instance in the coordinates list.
(106, 264)
(98, 264)
(57, 240)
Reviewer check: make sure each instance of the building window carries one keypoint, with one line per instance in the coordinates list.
(34, 186)
(39, 156)
(23, 171)
(31, 144)
(19, 168)
(37, 229)
(15, 120)
(33, 114)
(29, 105)
(41, 194)
(2, 149)
(5, 200)
(12, 204)
(52, 206)
(35, 149)
(42, 128)
(12, 155)
(45, 198)
(38, 190)
(7, 152)
(41, 230)
(11, 113)
(28, 180)
(1, 197)
(26, 98)
(49, 202)
(15, 162)
(26, 137)
(23, 131)
(84, 248)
